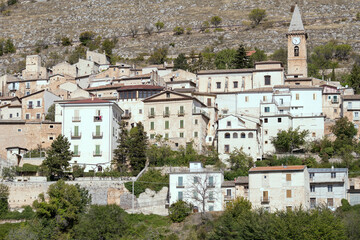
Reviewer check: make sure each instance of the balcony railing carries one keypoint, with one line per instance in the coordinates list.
(228, 197)
(335, 100)
(180, 185)
(75, 136)
(265, 200)
(97, 154)
(151, 114)
(126, 115)
(97, 118)
(97, 135)
(181, 113)
(199, 111)
(166, 114)
(76, 119)
(327, 180)
(77, 154)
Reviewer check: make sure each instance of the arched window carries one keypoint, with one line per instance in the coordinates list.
(235, 135)
(250, 135)
(243, 135)
(99, 168)
(227, 135)
(296, 51)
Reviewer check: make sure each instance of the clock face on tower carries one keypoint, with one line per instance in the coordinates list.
(296, 40)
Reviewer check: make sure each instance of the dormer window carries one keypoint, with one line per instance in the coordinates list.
(168, 95)
(296, 51)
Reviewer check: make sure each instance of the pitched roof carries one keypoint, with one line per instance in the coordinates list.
(352, 97)
(88, 100)
(33, 94)
(278, 168)
(108, 86)
(148, 75)
(296, 23)
(141, 86)
(222, 71)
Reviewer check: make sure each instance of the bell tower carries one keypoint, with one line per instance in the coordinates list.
(297, 54)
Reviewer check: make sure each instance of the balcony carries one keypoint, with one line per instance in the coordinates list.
(228, 197)
(199, 111)
(151, 115)
(326, 179)
(265, 200)
(181, 113)
(166, 114)
(76, 119)
(97, 135)
(97, 154)
(77, 154)
(75, 136)
(335, 100)
(127, 115)
(180, 185)
(97, 118)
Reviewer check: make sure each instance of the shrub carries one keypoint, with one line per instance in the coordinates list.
(188, 30)
(257, 15)
(358, 16)
(86, 37)
(65, 41)
(216, 20)
(11, 2)
(4, 195)
(159, 25)
(178, 30)
(204, 26)
(179, 210)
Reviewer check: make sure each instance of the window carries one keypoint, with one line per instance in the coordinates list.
(97, 130)
(218, 85)
(312, 202)
(227, 135)
(312, 188)
(38, 103)
(152, 111)
(180, 196)
(312, 175)
(180, 181)
(152, 136)
(27, 85)
(195, 194)
(27, 116)
(246, 98)
(38, 116)
(152, 125)
(166, 136)
(51, 138)
(182, 110)
(264, 98)
(279, 120)
(17, 114)
(168, 95)
(313, 134)
(196, 179)
(211, 195)
(211, 208)
(250, 135)
(30, 104)
(235, 135)
(330, 188)
(288, 193)
(243, 135)
(228, 123)
(76, 131)
(350, 105)
(140, 111)
(288, 177)
(235, 84)
(266, 132)
(266, 120)
(297, 96)
(209, 102)
(211, 181)
(181, 123)
(266, 142)
(51, 126)
(97, 149)
(167, 111)
(19, 130)
(10, 115)
(181, 134)
(267, 109)
(227, 148)
(228, 192)
(166, 124)
(267, 80)
(314, 96)
(333, 175)
(196, 122)
(330, 202)
(195, 134)
(76, 150)
(296, 51)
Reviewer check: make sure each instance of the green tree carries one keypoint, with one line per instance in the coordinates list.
(241, 59)
(240, 163)
(137, 147)
(121, 152)
(9, 173)
(204, 26)
(9, 47)
(58, 157)
(51, 113)
(344, 129)
(159, 25)
(178, 30)
(287, 141)
(280, 55)
(160, 154)
(216, 21)
(181, 62)
(225, 59)
(65, 41)
(79, 52)
(65, 204)
(4, 195)
(11, 2)
(86, 37)
(258, 56)
(108, 45)
(158, 56)
(257, 15)
(179, 210)
(342, 52)
(102, 222)
(354, 78)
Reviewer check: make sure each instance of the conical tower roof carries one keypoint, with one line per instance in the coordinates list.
(296, 23)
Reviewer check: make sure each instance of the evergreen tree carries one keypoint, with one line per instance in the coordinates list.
(241, 59)
(137, 147)
(58, 156)
(121, 152)
(51, 113)
(258, 56)
(9, 46)
(181, 62)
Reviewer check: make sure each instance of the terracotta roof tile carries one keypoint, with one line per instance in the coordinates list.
(278, 168)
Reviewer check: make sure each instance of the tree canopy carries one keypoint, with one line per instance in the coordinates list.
(287, 141)
(257, 15)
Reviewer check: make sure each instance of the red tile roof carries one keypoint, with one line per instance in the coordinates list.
(278, 168)
(88, 100)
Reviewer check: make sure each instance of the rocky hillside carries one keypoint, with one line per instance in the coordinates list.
(33, 20)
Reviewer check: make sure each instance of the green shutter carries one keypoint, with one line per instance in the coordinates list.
(167, 110)
(196, 134)
(98, 130)
(76, 130)
(166, 136)
(152, 125)
(76, 149)
(181, 123)
(97, 149)
(181, 109)
(152, 111)
(166, 124)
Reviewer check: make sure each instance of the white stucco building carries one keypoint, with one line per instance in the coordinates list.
(328, 186)
(198, 186)
(279, 187)
(91, 126)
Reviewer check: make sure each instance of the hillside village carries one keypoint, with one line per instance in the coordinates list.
(92, 101)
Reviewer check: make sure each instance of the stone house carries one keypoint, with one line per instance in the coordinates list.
(279, 187)
(99, 58)
(33, 69)
(11, 110)
(65, 68)
(86, 67)
(351, 110)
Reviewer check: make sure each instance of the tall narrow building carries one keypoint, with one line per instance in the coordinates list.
(297, 54)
